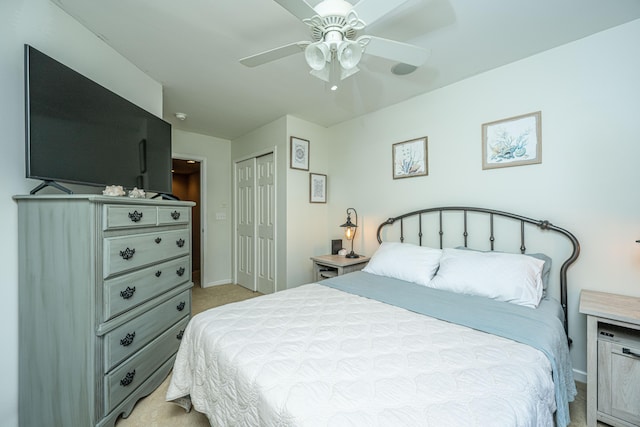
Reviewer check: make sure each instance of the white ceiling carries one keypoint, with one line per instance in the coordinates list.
(192, 48)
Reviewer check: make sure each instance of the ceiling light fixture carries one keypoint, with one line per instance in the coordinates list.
(335, 55)
(335, 50)
(180, 116)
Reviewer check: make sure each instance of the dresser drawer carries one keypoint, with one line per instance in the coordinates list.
(127, 377)
(118, 216)
(125, 340)
(129, 252)
(125, 292)
(173, 215)
(619, 377)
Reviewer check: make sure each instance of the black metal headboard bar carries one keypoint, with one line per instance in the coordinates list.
(541, 224)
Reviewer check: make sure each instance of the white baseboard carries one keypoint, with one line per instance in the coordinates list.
(580, 376)
(218, 283)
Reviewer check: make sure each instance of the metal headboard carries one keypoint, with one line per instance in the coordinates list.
(541, 224)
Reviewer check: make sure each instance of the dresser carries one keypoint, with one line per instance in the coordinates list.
(104, 297)
(613, 358)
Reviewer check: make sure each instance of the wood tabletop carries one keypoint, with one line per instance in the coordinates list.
(339, 260)
(610, 306)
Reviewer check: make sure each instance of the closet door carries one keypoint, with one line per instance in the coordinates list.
(245, 220)
(265, 223)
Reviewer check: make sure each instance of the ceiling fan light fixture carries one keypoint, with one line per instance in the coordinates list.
(317, 54)
(349, 54)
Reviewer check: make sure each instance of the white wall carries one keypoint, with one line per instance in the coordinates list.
(44, 26)
(216, 158)
(589, 95)
(306, 222)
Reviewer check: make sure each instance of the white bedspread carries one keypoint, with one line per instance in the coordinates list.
(316, 356)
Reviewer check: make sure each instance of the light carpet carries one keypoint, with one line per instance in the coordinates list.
(154, 411)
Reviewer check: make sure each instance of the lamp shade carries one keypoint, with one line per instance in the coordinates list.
(317, 55)
(349, 54)
(350, 229)
(349, 232)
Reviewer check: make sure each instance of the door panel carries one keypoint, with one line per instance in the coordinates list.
(265, 223)
(245, 220)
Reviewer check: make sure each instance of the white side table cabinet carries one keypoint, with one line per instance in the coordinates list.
(104, 296)
(613, 358)
(326, 266)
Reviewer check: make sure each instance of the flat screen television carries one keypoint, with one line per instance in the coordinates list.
(79, 132)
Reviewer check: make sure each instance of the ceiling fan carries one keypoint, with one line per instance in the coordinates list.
(336, 49)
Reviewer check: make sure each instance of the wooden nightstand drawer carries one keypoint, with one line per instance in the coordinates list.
(125, 340)
(129, 252)
(619, 373)
(125, 292)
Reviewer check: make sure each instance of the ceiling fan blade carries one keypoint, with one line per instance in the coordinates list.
(273, 54)
(298, 8)
(369, 11)
(396, 51)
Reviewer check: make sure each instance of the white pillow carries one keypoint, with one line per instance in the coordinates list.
(506, 277)
(405, 261)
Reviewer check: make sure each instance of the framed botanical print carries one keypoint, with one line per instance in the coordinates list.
(299, 153)
(514, 141)
(410, 158)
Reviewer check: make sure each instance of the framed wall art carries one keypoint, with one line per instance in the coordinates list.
(514, 141)
(410, 158)
(317, 188)
(299, 153)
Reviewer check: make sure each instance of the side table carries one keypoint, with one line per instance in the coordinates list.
(325, 266)
(613, 358)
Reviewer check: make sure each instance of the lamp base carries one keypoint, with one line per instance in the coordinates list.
(352, 255)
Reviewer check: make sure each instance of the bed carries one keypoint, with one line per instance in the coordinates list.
(442, 328)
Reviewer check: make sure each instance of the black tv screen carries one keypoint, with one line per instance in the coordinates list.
(79, 132)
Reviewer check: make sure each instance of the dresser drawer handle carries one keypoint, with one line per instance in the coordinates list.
(128, 293)
(128, 379)
(629, 352)
(135, 216)
(175, 215)
(158, 240)
(180, 271)
(181, 306)
(180, 243)
(179, 336)
(127, 340)
(158, 273)
(127, 253)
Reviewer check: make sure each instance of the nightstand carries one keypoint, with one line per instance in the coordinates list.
(613, 358)
(325, 266)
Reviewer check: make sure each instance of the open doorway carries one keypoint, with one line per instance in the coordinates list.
(186, 186)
